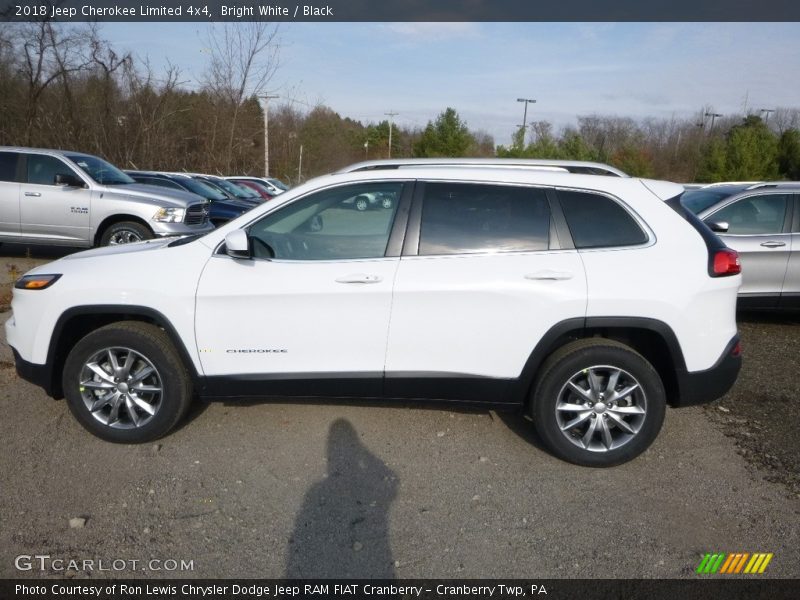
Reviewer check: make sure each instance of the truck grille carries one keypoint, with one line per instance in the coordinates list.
(196, 214)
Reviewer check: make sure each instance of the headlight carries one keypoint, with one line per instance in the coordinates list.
(36, 282)
(169, 215)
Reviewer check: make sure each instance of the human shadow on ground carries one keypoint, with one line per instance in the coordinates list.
(342, 529)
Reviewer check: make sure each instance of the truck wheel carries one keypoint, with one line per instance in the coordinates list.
(126, 383)
(598, 403)
(125, 232)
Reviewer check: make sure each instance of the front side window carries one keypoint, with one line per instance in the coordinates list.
(463, 218)
(342, 223)
(42, 169)
(597, 221)
(754, 215)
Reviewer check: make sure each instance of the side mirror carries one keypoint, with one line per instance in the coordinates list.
(237, 245)
(67, 179)
(718, 226)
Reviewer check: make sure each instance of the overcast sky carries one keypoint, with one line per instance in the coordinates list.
(363, 70)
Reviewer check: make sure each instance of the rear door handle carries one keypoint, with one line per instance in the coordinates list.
(359, 278)
(34, 194)
(550, 275)
(773, 244)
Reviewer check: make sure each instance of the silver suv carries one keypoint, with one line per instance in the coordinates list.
(73, 199)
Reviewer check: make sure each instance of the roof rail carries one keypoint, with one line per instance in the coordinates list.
(719, 183)
(571, 166)
(774, 184)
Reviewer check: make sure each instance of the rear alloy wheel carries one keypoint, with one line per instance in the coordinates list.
(126, 383)
(598, 403)
(125, 232)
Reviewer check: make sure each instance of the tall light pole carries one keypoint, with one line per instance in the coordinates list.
(768, 111)
(266, 133)
(525, 116)
(390, 114)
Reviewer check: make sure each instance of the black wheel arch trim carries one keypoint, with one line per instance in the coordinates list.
(50, 380)
(579, 328)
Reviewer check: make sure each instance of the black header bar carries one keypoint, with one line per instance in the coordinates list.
(753, 587)
(399, 10)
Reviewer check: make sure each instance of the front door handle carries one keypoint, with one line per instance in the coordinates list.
(773, 244)
(550, 275)
(34, 194)
(359, 278)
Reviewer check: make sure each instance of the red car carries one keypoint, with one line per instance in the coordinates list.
(259, 189)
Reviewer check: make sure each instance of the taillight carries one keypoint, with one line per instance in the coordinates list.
(726, 262)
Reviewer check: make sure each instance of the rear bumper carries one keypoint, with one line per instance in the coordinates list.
(700, 387)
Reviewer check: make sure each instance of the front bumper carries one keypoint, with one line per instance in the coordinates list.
(41, 375)
(171, 229)
(700, 387)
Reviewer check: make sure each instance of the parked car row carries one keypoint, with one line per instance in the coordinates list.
(68, 198)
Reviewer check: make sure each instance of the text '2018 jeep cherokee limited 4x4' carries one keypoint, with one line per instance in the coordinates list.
(590, 301)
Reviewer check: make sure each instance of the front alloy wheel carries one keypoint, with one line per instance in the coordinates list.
(126, 382)
(121, 388)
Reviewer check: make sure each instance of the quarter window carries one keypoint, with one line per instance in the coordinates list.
(42, 169)
(8, 166)
(597, 221)
(754, 215)
(342, 223)
(460, 218)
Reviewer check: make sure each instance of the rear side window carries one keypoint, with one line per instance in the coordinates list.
(42, 169)
(8, 166)
(597, 221)
(470, 218)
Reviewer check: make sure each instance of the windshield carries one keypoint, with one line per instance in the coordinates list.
(201, 188)
(99, 170)
(278, 184)
(699, 200)
(234, 189)
(255, 185)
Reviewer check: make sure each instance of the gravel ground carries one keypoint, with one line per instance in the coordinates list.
(306, 489)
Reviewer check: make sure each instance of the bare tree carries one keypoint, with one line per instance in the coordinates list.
(244, 57)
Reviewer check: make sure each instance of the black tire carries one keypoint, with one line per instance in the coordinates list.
(153, 345)
(574, 362)
(125, 232)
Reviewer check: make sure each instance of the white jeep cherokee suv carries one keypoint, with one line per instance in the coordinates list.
(591, 302)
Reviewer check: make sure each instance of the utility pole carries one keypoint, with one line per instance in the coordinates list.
(525, 116)
(390, 114)
(266, 133)
(300, 166)
(713, 116)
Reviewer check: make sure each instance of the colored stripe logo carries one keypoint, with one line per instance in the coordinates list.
(734, 563)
